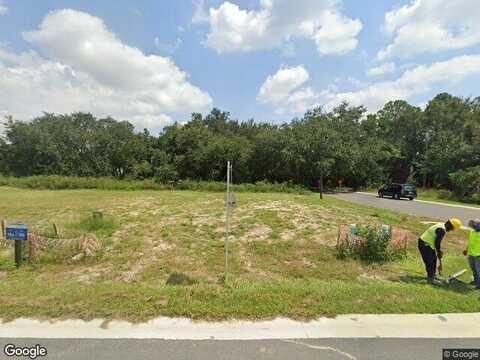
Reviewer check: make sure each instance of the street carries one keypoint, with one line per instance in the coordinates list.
(306, 349)
(415, 207)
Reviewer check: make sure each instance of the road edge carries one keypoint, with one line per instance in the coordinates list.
(344, 326)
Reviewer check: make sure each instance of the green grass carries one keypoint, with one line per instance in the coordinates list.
(283, 261)
(55, 182)
(443, 196)
(103, 227)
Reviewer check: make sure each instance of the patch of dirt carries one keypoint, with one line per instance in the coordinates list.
(131, 276)
(288, 235)
(162, 246)
(91, 275)
(258, 232)
(300, 263)
(367, 277)
(324, 237)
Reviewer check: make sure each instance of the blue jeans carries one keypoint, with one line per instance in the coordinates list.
(474, 262)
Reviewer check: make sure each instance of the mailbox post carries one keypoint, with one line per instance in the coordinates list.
(17, 233)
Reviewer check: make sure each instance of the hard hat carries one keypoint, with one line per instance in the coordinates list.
(456, 223)
(474, 224)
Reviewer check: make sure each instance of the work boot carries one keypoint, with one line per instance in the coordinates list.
(435, 282)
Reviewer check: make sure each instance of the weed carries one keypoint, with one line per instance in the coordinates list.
(102, 226)
(180, 279)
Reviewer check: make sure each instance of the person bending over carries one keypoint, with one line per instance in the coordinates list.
(430, 246)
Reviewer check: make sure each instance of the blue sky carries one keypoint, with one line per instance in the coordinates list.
(261, 59)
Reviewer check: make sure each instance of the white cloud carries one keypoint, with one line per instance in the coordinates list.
(355, 82)
(200, 15)
(168, 48)
(288, 50)
(87, 68)
(431, 25)
(285, 94)
(381, 70)
(416, 81)
(277, 87)
(282, 90)
(278, 21)
(3, 8)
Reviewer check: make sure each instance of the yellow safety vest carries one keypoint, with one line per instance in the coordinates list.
(473, 248)
(430, 235)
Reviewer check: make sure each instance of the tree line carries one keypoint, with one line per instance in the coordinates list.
(438, 146)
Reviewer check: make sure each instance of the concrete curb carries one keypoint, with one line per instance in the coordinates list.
(344, 326)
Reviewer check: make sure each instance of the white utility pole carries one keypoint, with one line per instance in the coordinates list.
(227, 213)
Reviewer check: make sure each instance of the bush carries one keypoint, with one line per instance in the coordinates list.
(466, 182)
(375, 245)
(445, 194)
(142, 170)
(180, 279)
(475, 199)
(372, 246)
(166, 174)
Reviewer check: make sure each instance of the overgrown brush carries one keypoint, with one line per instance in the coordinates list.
(55, 182)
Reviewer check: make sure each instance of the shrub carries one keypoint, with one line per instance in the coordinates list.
(372, 245)
(180, 279)
(142, 170)
(375, 245)
(475, 198)
(466, 182)
(445, 194)
(166, 174)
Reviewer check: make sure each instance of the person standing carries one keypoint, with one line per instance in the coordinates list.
(473, 251)
(430, 246)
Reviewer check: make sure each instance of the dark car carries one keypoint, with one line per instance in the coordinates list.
(398, 191)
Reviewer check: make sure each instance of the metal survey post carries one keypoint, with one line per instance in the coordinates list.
(230, 202)
(17, 233)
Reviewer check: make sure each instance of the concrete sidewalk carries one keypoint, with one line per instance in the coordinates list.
(345, 326)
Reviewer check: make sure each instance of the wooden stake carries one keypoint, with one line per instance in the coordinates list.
(56, 230)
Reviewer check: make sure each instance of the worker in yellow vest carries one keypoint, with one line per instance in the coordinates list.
(473, 251)
(430, 246)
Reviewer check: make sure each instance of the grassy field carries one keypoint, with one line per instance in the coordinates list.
(283, 260)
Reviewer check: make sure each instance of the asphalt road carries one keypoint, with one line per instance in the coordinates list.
(307, 349)
(415, 207)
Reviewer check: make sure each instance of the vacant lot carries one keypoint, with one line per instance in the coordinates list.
(283, 260)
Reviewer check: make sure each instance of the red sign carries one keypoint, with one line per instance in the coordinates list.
(339, 181)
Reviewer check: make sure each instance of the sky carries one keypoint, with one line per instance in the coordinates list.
(154, 62)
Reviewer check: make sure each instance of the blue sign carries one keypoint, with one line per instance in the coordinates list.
(16, 232)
